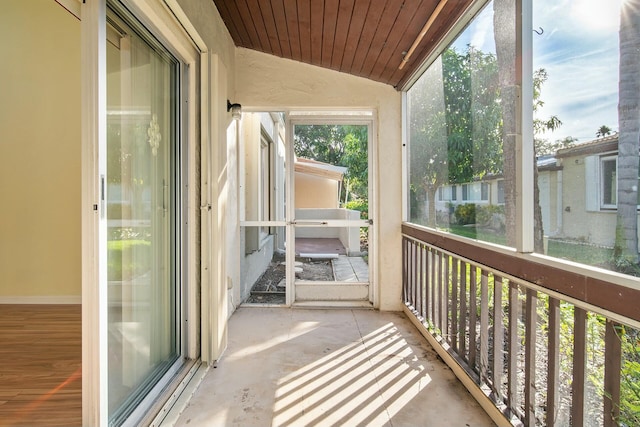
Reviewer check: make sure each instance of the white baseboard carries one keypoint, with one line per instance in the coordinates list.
(61, 299)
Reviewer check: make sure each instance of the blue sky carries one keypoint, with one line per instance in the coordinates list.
(579, 50)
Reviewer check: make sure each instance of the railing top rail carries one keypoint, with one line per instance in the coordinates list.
(615, 295)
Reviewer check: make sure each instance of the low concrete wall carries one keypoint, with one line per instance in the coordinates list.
(349, 236)
(253, 265)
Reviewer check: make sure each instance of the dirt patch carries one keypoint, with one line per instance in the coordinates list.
(272, 277)
(316, 269)
(270, 287)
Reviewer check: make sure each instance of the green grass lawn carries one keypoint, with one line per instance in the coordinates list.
(478, 233)
(577, 252)
(127, 259)
(585, 254)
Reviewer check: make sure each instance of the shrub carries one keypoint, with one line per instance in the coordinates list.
(359, 205)
(466, 214)
(484, 213)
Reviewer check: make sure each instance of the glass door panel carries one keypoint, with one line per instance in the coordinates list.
(141, 187)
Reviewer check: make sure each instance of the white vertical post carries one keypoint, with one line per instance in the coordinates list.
(290, 214)
(524, 133)
(405, 158)
(94, 266)
(205, 208)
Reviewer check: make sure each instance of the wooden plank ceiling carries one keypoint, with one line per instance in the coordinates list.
(366, 38)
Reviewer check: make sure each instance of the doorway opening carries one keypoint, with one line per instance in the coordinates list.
(306, 231)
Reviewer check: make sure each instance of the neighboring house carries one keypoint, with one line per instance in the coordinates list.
(577, 190)
(317, 184)
(589, 191)
(480, 192)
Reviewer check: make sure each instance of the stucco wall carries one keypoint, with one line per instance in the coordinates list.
(267, 83)
(39, 152)
(206, 20)
(315, 192)
(577, 222)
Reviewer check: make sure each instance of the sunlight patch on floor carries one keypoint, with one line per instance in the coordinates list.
(350, 385)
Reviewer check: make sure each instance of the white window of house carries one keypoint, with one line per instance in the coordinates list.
(465, 192)
(484, 191)
(608, 182)
(606, 186)
(265, 184)
(444, 193)
(454, 192)
(501, 191)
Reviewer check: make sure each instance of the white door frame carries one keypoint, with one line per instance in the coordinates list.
(363, 117)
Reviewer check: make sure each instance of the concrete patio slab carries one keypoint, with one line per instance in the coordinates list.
(315, 367)
(350, 269)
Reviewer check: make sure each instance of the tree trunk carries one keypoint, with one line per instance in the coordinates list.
(538, 230)
(504, 24)
(626, 245)
(431, 199)
(504, 28)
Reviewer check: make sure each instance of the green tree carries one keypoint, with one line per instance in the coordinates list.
(603, 130)
(626, 243)
(544, 146)
(504, 27)
(324, 143)
(338, 145)
(356, 159)
(454, 123)
(428, 162)
(540, 126)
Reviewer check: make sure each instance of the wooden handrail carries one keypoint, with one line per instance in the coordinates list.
(607, 295)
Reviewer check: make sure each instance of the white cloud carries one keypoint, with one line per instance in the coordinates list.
(579, 50)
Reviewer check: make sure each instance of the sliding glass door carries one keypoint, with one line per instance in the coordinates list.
(142, 197)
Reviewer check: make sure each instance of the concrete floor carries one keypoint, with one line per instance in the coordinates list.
(298, 367)
(350, 269)
(310, 245)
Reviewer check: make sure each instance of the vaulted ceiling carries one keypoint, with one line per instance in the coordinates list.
(366, 38)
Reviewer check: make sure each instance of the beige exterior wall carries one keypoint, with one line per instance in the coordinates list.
(39, 152)
(315, 192)
(577, 222)
(268, 83)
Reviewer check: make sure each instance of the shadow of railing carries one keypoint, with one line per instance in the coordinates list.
(359, 384)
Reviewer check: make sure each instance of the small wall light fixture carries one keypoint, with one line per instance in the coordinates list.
(235, 110)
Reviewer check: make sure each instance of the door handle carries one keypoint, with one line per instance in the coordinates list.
(303, 223)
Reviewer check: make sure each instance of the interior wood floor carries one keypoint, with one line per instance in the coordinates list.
(40, 365)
